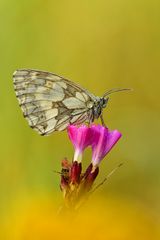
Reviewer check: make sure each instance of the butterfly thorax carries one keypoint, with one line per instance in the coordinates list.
(98, 106)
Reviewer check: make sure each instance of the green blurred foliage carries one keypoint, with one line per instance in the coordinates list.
(101, 45)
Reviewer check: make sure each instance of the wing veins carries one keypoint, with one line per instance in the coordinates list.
(44, 121)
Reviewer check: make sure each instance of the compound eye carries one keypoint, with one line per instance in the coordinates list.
(105, 100)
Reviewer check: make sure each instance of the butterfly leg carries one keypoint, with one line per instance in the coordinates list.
(102, 120)
(90, 119)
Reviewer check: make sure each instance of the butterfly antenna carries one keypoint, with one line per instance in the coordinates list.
(113, 90)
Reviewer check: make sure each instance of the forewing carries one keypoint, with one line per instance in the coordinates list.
(50, 102)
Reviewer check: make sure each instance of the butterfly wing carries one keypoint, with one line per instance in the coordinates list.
(50, 102)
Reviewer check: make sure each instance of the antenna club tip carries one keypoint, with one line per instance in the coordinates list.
(129, 89)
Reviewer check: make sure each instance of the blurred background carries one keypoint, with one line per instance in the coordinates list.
(100, 45)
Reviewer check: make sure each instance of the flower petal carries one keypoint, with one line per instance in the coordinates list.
(104, 140)
(81, 137)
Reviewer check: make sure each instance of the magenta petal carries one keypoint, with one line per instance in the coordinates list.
(100, 138)
(113, 137)
(104, 140)
(81, 137)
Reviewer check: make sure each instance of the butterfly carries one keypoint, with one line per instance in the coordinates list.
(51, 103)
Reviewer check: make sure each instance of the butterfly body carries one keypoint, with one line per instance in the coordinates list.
(98, 106)
(50, 102)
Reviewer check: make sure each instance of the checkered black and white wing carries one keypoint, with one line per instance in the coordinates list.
(50, 102)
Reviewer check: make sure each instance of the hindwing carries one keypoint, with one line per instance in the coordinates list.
(50, 102)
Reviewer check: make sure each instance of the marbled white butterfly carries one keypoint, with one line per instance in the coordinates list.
(50, 102)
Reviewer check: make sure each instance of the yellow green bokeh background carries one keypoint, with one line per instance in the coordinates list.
(101, 45)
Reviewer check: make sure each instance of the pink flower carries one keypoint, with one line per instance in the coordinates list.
(104, 140)
(81, 137)
(75, 182)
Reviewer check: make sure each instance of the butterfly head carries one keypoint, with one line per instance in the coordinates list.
(104, 101)
(99, 104)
